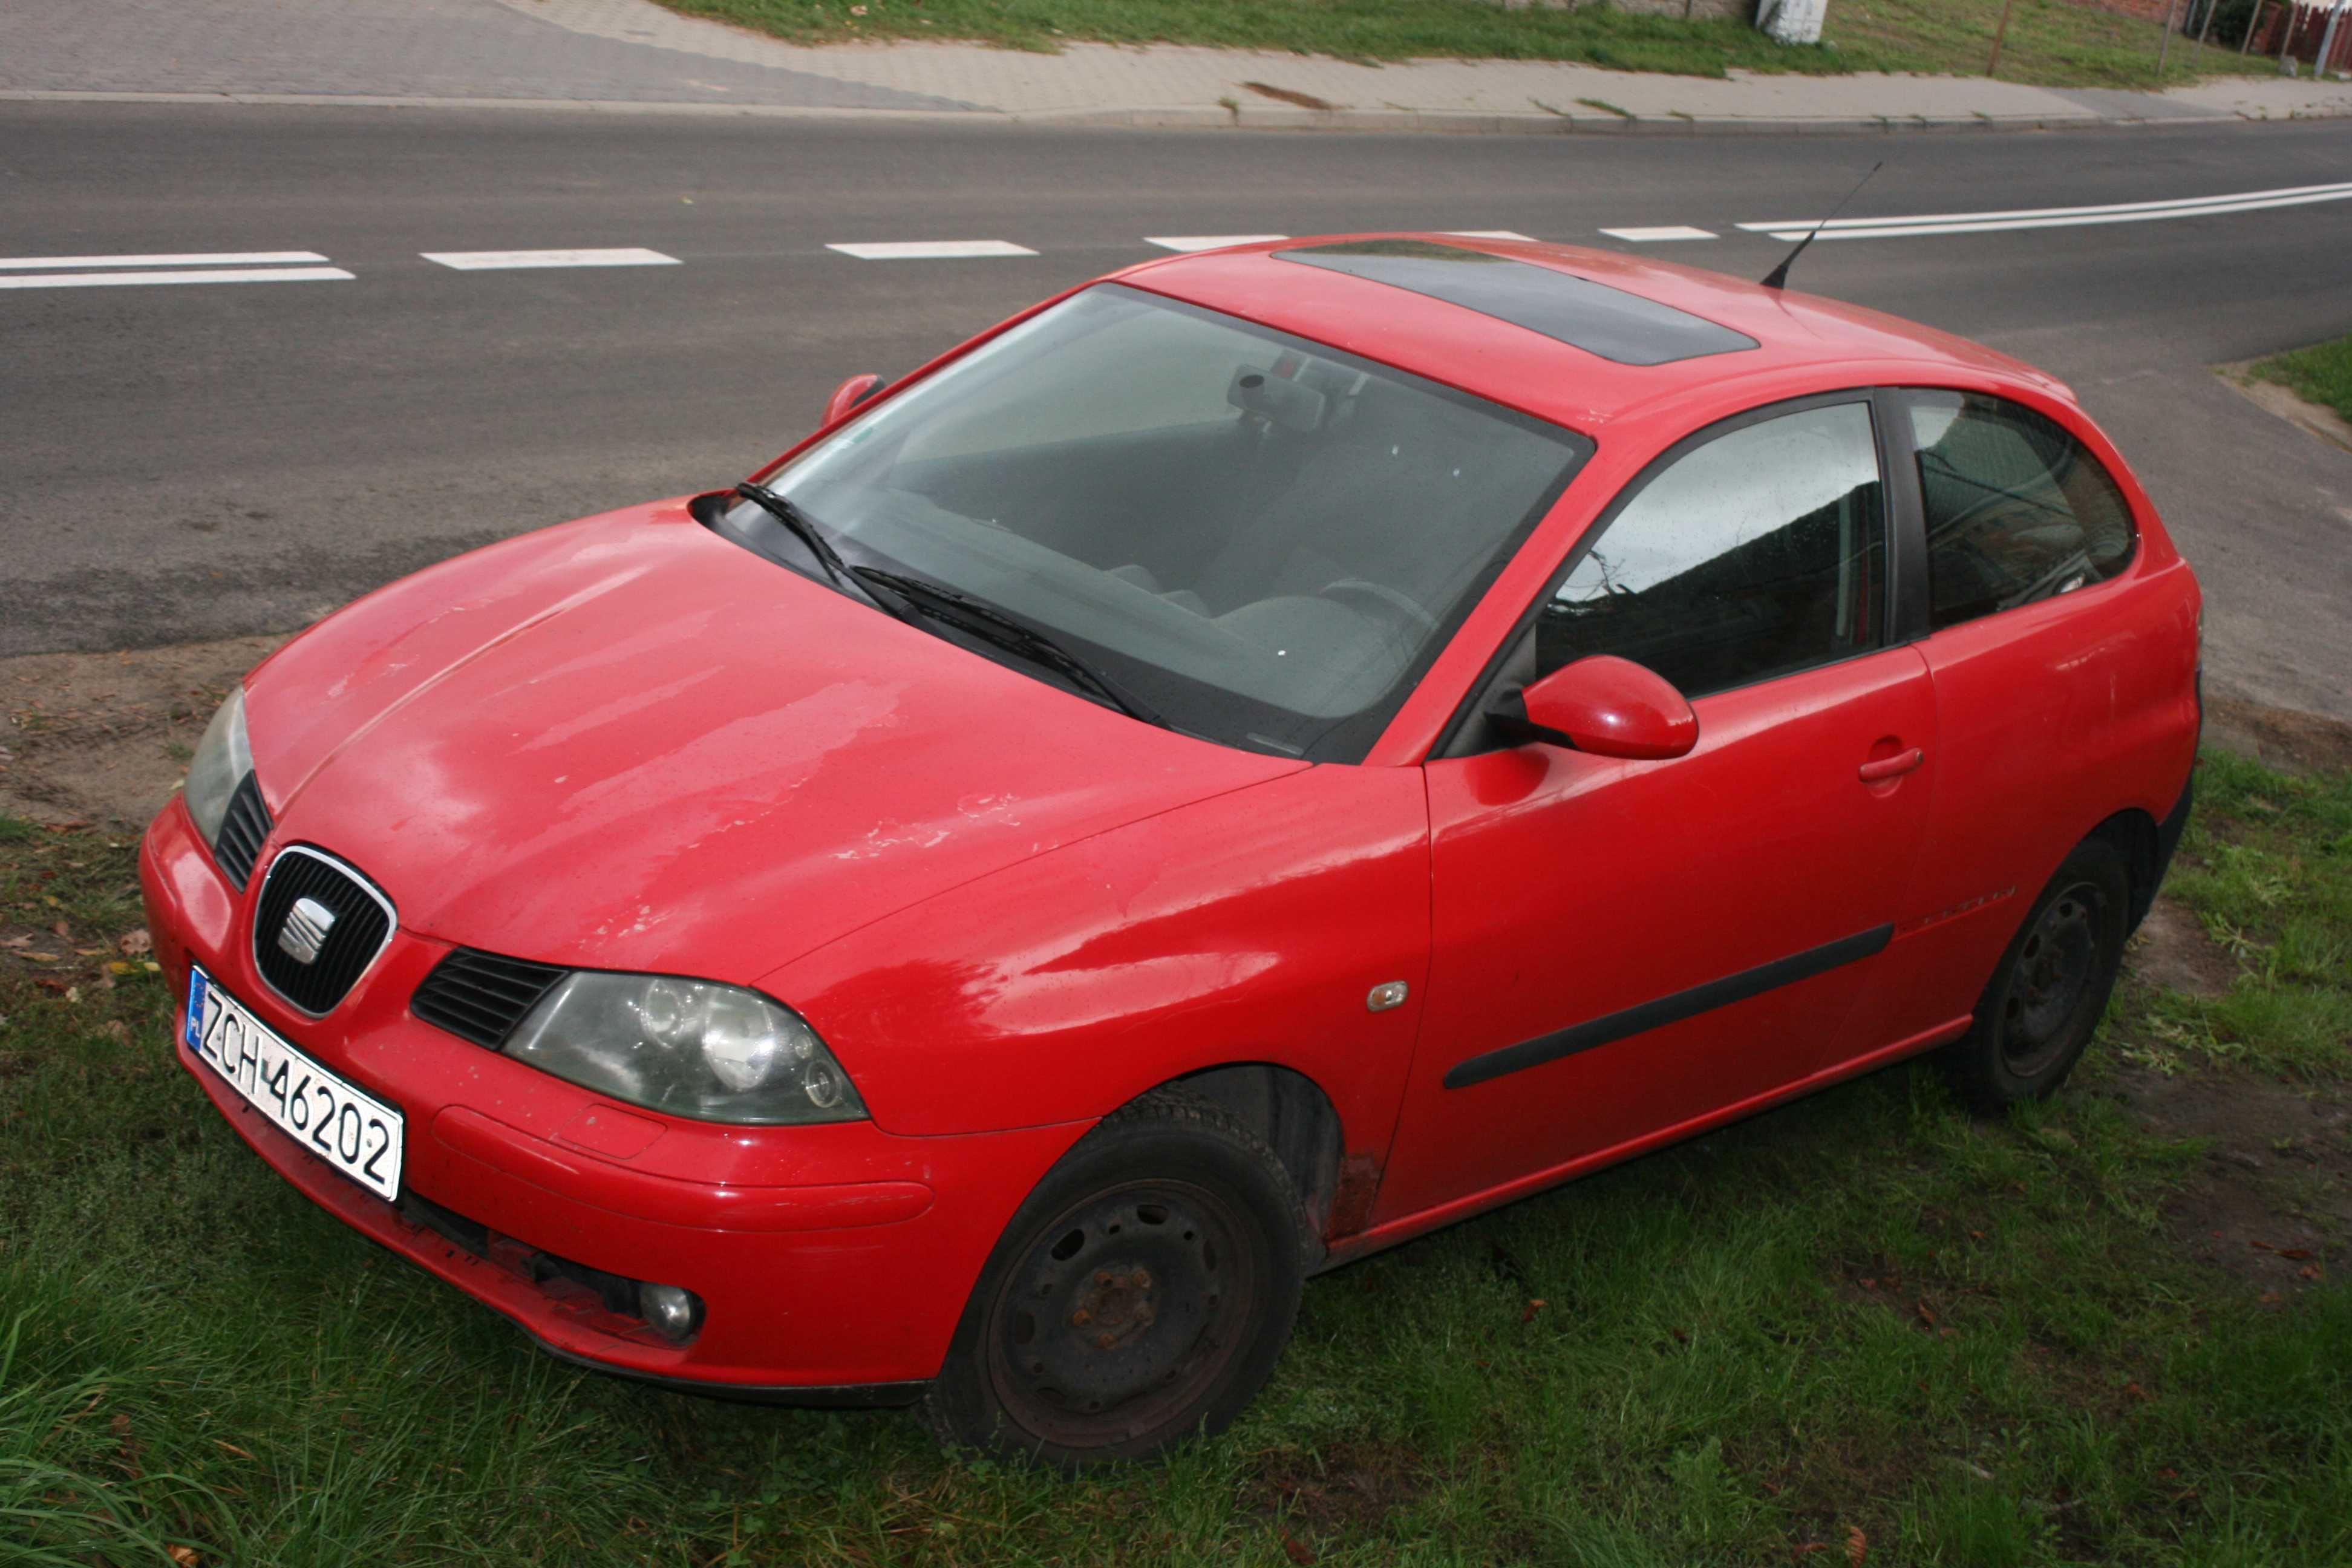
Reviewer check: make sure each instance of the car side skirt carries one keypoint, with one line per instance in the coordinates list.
(1348, 1249)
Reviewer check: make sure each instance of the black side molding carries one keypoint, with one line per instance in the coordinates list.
(1666, 1010)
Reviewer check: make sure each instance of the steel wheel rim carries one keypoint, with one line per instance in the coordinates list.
(2056, 971)
(1132, 1305)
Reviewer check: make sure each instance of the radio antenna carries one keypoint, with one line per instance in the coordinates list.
(1779, 276)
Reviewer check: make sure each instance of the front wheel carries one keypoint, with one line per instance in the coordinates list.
(1140, 1296)
(2045, 999)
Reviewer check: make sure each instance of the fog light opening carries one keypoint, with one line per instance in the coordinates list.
(673, 1311)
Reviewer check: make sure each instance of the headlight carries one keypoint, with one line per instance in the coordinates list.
(717, 1053)
(222, 759)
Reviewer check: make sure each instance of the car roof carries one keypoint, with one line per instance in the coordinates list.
(1578, 336)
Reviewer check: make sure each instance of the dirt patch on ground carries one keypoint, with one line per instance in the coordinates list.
(104, 738)
(1339, 1495)
(2171, 951)
(2280, 738)
(2271, 1202)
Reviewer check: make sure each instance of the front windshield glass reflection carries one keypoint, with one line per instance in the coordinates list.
(1265, 540)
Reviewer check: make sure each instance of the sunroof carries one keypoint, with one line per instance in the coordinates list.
(1575, 311)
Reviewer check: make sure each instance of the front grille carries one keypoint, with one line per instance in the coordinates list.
(357, 920)
(481, 996)
(241, 830)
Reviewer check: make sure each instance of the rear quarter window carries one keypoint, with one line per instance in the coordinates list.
(2017, 510)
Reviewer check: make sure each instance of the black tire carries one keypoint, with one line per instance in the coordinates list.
(1140, 1296)
(2045, 999)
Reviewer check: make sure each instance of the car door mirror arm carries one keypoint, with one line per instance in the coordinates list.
(1602, 705)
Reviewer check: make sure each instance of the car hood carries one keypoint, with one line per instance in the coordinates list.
(627, 743)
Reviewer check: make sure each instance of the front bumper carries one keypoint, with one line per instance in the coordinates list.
(833, 1261)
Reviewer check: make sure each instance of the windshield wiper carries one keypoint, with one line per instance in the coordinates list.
(805, 529)
(985, 620)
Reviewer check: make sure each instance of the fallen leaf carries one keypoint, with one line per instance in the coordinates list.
(2137, 1391)
(1680, 1337)
(120, 1426)
(2309, 1271)
(62, 928)
(233, 1449)
(1868, 1284)
(2262, 1246)
(2269, 1298)
(186, 1556)
(2296, 1253)
(16, 942)
(1296, 1550)
(1857, 1545)
(136, 941)
(1926, 1313)
(1527, 1313)
(1975, 1236)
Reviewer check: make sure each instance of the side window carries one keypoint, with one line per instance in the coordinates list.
(2016, 509)
(1761, 552)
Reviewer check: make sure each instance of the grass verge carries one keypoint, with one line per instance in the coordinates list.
(2051, 42)
(1864, 1323)
(2321, 373)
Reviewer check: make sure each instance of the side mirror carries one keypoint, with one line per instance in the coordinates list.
(1603, 705)
(849, 394)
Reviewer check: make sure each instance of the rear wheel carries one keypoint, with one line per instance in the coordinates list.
(2046, 997)
(1140, 1296)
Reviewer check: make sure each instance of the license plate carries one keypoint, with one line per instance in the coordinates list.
(354, 1132)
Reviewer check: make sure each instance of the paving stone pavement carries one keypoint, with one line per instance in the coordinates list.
(409, 48)
(634, 52)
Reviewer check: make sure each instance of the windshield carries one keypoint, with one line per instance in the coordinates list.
(1265, 539)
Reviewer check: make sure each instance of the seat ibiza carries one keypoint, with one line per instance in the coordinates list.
(1259, 757)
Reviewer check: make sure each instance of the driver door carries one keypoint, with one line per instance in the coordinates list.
(1624, 949)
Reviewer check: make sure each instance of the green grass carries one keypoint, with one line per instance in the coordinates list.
(2321, 373)
(1974, 1343)
(2049, 41)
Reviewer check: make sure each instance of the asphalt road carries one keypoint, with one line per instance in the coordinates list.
(187, 462)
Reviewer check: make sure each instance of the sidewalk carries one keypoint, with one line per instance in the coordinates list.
(633, 54)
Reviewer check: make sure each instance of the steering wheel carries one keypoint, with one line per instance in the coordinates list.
(1382, 597)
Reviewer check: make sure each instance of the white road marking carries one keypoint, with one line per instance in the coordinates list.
(1189, 242)
(930, 250)
(2055, 217)
(1656, 236)
(1488, 234)
(220, 274)
(229, 259)
(508, 261)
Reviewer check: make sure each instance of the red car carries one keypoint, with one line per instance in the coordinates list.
(1259, 757)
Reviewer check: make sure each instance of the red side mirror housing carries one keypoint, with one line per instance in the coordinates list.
(850, 393)
(1606, 706)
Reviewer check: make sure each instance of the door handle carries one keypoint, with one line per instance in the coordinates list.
(1892, 767)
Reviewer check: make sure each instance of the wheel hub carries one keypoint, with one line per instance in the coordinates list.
(1115, 1308)
(2055, 971)
(1120, 1312)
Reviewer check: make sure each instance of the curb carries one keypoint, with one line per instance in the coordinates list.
(1243, 117)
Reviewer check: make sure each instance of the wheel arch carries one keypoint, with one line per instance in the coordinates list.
(2136, 833)
(1293, 1116)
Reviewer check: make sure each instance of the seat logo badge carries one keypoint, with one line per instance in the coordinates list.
(305, 931)
(1384, 996)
